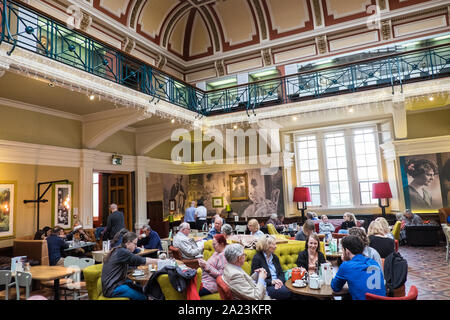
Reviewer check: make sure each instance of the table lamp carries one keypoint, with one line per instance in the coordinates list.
(382, 192)
(302, 196)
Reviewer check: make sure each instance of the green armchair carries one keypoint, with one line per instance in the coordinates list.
(93, 278)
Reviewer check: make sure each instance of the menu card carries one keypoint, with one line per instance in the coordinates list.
(17, 263)
(106, 245)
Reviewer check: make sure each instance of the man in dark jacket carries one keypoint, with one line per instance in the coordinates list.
(56, 245)
(115, 222)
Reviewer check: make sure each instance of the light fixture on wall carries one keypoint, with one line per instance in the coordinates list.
(382, 192)
(302, 196)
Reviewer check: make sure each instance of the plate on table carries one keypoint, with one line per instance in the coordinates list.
(138, 273)
(302, 284)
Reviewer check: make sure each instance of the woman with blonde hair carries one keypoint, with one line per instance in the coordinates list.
(349, 222)
(266, 258)
(385, 225)
(378, 240)
(253, 226)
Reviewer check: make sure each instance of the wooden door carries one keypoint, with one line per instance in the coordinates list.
(119, 192)
(155, 214)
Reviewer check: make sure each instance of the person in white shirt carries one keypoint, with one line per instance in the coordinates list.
(200, 215)
(188, 247)
(326, 227)
(253, 226)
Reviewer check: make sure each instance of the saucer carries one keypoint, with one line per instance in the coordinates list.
(299, 285)
(136, 274)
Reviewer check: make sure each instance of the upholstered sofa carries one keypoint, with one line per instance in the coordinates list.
(36, 250)
(93, 274)
(286, 252)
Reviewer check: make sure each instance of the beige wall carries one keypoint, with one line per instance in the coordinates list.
(122, 142)
(33, 127)
(27, 177)
(428, 124)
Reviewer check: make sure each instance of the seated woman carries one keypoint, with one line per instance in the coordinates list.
(265, 258)
(243, 286)
(311, 258)
(214, 266)
(326, 227)
(369, 252)
(253, 226)
(349, 222)
(226, 230)
(378, 240)
(115, 268)
(385, 225)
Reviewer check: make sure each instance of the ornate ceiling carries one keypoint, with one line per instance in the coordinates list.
(227, 36)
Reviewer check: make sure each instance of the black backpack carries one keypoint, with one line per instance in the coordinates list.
(395, 272)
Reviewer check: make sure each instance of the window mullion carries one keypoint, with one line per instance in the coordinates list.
(352, 169)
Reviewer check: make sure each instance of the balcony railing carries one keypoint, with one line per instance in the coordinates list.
(24, 27)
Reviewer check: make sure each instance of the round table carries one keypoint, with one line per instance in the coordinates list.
(47, 273)
(325, 291)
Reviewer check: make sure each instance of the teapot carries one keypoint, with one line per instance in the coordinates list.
(314, 281)
(297, 274)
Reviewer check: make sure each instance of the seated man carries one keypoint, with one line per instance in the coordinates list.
(187, 246)
(361, 273)
(56, 245)
(78, 233)
(243, 286)
(115, 268)
(409, 219)
(149, 239)
(216, 229)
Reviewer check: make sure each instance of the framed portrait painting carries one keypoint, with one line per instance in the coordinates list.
(238, 187)
(62, 205)
(8, 191)
(217, 202)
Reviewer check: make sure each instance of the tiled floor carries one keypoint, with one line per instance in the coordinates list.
(428, 271)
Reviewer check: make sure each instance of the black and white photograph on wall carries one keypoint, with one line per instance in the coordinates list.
(63, 205)
(444, 170)
(238, 186)
(424, 188)
(174, 188)
(264, 193)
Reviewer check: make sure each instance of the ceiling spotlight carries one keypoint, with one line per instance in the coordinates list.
(51, 84)
(91, 97)
(235, 127)
(294, 118)
(173, 120)
(350, 109)
(431, 98)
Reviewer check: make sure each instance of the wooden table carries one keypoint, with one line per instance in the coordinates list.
(48, 273)
(80, 245)
(142, 280)
(325, 291)
(146, 252)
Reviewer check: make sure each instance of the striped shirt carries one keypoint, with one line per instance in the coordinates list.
(214, 268)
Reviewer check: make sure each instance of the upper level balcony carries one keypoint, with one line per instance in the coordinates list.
(28, 29)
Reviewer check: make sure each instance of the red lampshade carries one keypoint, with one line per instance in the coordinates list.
(381, 190)
(301, 194)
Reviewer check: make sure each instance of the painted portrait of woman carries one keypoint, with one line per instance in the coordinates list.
(423, 173)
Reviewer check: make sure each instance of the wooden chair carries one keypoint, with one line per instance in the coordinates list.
(412, 295)
(224, 290)
(176, 253)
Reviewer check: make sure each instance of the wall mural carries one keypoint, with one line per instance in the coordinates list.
(251, 193)
(426, 181)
